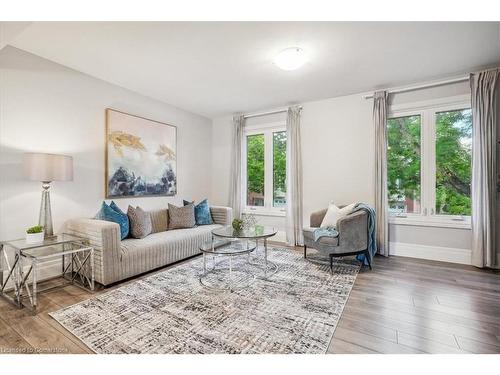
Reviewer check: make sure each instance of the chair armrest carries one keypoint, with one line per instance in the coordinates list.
(105, 238)
(221, 215)
(353, 231)
(316, 218)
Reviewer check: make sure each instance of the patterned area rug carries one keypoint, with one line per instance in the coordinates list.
(294, 311)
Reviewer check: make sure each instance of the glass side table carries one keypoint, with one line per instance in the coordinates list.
(20, 264)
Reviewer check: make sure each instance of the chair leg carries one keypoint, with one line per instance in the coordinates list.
(367, 256)
(305, 251)
(331, 264)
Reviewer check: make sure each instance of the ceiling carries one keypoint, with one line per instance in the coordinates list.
(218, 68)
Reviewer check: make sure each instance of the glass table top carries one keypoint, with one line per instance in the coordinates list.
(257, 231)
(228, 247)
(59, 239)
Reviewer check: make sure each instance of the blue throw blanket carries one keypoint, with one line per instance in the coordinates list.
(372, 243)
(325, 232)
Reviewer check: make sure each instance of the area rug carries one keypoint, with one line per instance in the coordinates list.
(294, 311)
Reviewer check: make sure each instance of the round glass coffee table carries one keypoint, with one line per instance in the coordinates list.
(229, 270)
(253, 234)
(232, 266)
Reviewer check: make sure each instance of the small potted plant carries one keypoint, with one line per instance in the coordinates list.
(237, 225)
(34, 234)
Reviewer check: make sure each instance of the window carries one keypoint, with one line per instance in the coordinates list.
(279, 169)
(403, 164)
(255, 170)
(429, 154)
(264, 168)
(453, 162)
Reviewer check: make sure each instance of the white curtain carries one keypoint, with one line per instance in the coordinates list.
(236, 182)
(381, 204)
(294, 178)
(483, 187)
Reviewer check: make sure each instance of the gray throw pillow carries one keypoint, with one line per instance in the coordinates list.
(140, 222)
(181, 217)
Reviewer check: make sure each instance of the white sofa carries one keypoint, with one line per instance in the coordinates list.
(116, 259)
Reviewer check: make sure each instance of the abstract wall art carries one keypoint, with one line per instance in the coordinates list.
(140, 156)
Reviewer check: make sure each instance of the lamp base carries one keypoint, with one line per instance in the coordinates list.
(45, 216)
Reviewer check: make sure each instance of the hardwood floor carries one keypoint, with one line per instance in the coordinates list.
(403, 306)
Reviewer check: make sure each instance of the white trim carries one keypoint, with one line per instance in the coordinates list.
(436, 221)
(442, 254)
(430, 104)
(259, 128)
(249, 210)
(421, 86)
(267, 113)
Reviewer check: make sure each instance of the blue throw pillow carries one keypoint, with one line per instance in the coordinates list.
(114, 214)
(115, 207)
(202, 213)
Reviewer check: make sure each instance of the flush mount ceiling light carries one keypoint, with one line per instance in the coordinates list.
(290, 58)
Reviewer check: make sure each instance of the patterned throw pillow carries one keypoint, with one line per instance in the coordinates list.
(114, 214)
(181, 217)
(140, 222)
(202, 213)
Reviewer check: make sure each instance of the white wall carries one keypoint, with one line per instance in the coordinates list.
(338, 163)
(336, 148)
(46, 107)
(336, 158)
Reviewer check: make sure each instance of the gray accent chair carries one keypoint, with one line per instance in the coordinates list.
(352, 238)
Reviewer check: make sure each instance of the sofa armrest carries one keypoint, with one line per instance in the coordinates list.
(105, 238)
(353, 231)
(222, 215)
(316, 218)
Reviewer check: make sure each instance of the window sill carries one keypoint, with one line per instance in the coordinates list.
(264, 213)
(431, 222)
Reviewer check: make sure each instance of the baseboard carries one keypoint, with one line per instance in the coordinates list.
(443, 254)
(279, 237)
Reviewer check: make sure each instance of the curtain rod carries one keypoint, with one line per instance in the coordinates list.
(422, 86)
(272, 112)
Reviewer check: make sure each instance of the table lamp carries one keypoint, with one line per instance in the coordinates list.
(47, 168)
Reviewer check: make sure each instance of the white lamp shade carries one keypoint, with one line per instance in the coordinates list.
(48, 167)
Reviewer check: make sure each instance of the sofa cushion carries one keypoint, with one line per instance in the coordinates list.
(181, 217)
(159, 220)
(114, 214)
(334, 213)
(174, 241)
(202, 212)
(140, 222)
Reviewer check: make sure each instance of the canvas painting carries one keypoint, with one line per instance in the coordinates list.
(140, 156)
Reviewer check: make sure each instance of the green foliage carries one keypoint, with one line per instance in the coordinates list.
(453, 161)
(403, 159)
(255, 163)
(237, 224)
(279, 160)
(35, 229)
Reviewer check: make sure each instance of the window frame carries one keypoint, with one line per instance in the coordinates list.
(428, 110)
(267, 129)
